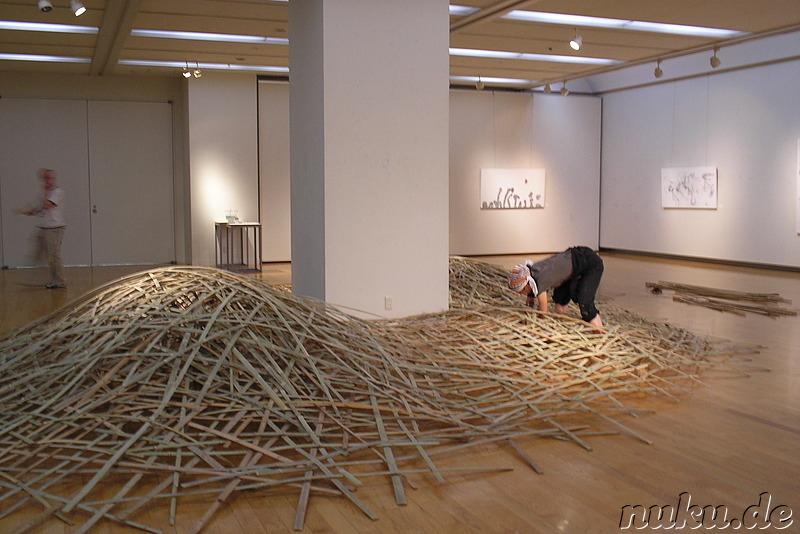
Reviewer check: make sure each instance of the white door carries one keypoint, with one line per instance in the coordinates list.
(130, 162)
(34, 134)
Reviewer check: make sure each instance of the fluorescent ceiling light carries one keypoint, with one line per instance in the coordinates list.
(195, 36)
(619, 24)
(210, 66)
(218, 37)
(495, 81)
(499, 54)
(679, 29)
(42, 58)
(45, 27)
(462, 10)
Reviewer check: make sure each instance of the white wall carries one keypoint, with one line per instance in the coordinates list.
(744, 122)
(517, 130)
(273, 149)
(223, 155)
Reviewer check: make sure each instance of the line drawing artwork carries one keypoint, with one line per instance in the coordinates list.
(689, 187)
(512, 188)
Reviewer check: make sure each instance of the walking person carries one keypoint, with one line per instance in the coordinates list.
(573, 275)
(50, 227)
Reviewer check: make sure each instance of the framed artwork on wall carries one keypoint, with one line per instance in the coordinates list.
(512, 189)
(689, 187)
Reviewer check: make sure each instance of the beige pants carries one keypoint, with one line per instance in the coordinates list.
(48, 242)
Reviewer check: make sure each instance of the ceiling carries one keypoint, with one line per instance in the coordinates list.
(484, 29)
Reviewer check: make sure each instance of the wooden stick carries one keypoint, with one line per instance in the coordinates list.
(528, 460)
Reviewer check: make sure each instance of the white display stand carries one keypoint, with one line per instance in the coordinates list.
(234, 243)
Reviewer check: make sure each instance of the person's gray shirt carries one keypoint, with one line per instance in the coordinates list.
(553, 271)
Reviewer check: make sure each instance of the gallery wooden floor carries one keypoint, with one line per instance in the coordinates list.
(725, 444)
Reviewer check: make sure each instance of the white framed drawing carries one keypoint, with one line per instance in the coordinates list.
(689, 187)
(512, 188)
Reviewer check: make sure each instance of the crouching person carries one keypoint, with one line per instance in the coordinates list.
(573, 275)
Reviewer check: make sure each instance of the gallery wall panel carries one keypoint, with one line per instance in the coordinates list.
(114, 161)
(274, 177)
(745, 124)
(130, 154)
(522, 130)
(37, 133)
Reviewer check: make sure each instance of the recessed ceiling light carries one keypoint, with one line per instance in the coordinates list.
(46, 27)
(44, 58)
(619, 24)
(204, 36)
(208, 66)
(490, 80)
(462, 10)
(501, 54)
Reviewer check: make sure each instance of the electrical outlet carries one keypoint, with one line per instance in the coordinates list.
(387, 303)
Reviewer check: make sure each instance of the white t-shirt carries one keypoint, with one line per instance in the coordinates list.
(54, 217)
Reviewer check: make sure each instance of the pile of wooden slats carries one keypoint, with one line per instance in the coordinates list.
(726, 300)
(186, 382)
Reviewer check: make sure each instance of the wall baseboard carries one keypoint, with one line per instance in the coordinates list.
(713, 261)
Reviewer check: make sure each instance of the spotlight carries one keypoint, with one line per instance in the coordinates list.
(576, 41)
(45, 6)
(197, 73)
(479, 85)
(77, 8)
(658, 73)
(564, 91)
(714, 60)
(547, 89)
(187, 73)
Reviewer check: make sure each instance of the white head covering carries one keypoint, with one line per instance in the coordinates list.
(519, 276)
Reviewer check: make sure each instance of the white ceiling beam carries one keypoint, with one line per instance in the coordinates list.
(490, 13)
(117, 23)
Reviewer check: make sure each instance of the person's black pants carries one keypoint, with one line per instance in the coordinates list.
(581, 287)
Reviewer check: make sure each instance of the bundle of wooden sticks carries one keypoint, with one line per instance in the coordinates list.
(726, 300)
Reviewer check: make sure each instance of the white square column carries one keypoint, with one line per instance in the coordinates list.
(369, 122)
